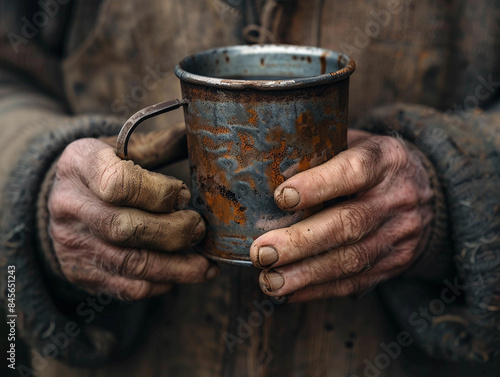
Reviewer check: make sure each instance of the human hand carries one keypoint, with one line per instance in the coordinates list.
(346, 249)
(116, 226)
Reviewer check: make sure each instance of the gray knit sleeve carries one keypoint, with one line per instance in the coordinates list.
(34, 130)
(457, 317)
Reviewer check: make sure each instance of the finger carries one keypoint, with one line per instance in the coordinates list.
(98, 281)
(136, 290)
(157, 148)
(133, 290)
(128, 227)
(332, 265)
(384, 253)
(352, 171)
(94, 259)
(344, 223)
(352, 286)
(134, 228)
(154, 266)
(120, 182)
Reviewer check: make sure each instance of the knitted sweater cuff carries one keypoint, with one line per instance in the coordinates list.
(435, 263)
(464, 324)
(42, 315)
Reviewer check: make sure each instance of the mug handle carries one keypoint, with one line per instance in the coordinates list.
(138, 118)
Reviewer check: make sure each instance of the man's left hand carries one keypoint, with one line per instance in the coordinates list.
(347, 248)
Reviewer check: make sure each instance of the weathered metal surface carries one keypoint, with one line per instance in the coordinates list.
(255, 116)
(246, 137)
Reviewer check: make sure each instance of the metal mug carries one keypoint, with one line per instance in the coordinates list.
(255, 116)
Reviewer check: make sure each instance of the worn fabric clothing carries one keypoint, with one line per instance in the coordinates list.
(97, 62)
(469, 176)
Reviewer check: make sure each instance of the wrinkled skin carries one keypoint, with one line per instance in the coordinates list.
(118, 227)
(347, 248)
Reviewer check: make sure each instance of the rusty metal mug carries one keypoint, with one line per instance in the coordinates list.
(255, 116)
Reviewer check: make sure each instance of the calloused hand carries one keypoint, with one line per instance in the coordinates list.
(347, 248)
(118, 227)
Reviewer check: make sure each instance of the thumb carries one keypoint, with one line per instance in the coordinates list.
(157, 148)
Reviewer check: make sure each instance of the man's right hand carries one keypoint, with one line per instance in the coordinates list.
(118, 227)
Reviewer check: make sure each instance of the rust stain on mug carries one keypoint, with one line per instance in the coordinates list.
(246, 137)
(266, 114)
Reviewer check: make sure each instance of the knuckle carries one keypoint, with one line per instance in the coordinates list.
(298, 242)
(201, 266)
(410, 196)
(406, 239)
(135, 264)
(315, 272)
(351, 173)
(352, 260)
(403, 255)
(183, 228)
(407, 255)
(121, 228)
(177, 194)
(366, 159)
(411, 226)
(396, 152)
(192, 271)
(68, 160)
(346, 287)
(137, 291)
(77, 154)
(320, 178)
(178, 242)
(168, 265)
(351, 219)
(112, 183)
(58, 205)
(65, 164)
(64, 202)
(89, 279)
(358, 162)
(67, 237)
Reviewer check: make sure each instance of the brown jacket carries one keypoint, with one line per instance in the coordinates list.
(96, 62)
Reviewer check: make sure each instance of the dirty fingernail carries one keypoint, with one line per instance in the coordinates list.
(290, 197)
(212, 273)
(271, 281)
(198, 232)
(183, 198)
(267, 256)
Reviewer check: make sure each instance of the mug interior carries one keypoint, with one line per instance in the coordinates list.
(264, 65)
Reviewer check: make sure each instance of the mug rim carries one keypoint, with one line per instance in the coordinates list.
(267, 85)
